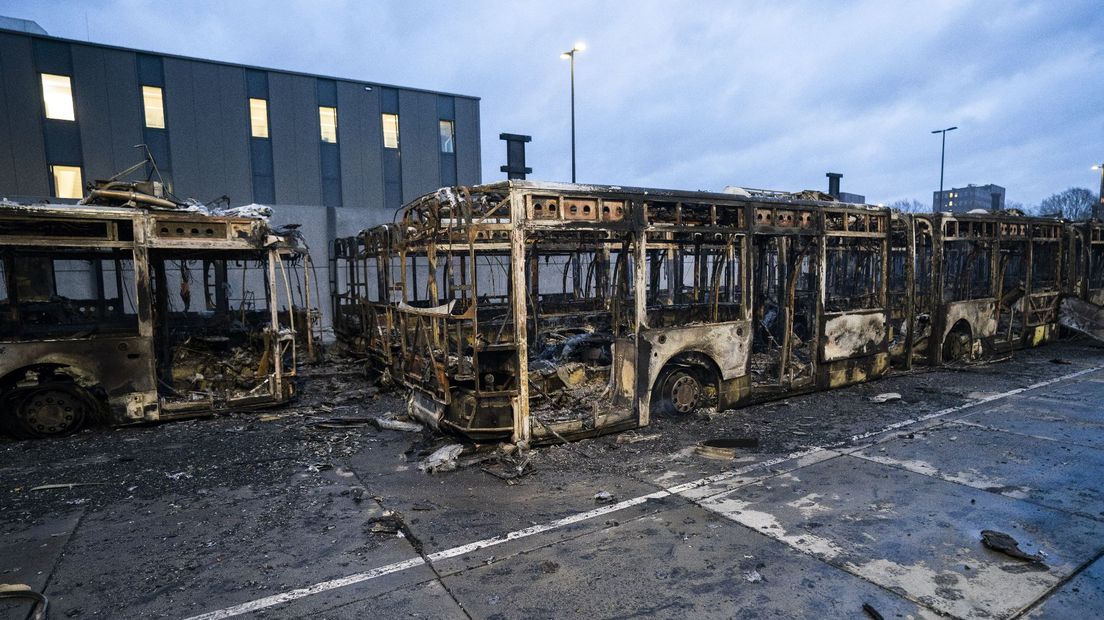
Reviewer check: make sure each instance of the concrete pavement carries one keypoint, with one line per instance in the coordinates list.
(880, 505)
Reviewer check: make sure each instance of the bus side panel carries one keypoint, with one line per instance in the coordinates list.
(979, 314)
(120, 366)
(728, 345)
(854, 348)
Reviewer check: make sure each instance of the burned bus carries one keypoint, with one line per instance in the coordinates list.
(968, 285)
(131, 309)
(538, 311)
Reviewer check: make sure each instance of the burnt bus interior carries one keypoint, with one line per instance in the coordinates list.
(211, 326)
(99, 323)
(1094, 279)
(636, 301)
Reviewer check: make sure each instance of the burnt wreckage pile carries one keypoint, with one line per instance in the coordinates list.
(135, 306)
(534, 311)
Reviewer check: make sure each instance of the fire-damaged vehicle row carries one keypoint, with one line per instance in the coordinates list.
(134, 307)
(536, 311)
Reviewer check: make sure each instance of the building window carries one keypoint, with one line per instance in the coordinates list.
(390, 131)
(448, 136)
(67, 181)
(154, 105)
(258, 118)
(327, 119)
(57, 94)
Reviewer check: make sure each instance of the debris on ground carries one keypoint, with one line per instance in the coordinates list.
(1003, 543)
(724, 448)
(442, 459)
(388, 523)
(510, 464)
(603, 497)
(634, 437)
(387, 423)
(23, 591)
(885, 397)
(873, 613)
(343, 422)
(64, 485)
(752, 576)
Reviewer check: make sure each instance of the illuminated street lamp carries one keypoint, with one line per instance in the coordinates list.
(1098, 212)
(570, 55)
(942, 158)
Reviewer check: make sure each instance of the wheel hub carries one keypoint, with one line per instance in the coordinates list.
(685, 392)
(52, 411)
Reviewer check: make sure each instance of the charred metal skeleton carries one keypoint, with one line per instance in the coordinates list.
(131, 308)
(537, 311)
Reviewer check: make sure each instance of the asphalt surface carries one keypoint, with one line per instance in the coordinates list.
(844, 502)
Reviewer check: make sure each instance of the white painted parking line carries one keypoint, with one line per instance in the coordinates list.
(686, 489)
(318, 588)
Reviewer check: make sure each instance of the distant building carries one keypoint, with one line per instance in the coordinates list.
(330, 153)
(963, 199)
(72, 111)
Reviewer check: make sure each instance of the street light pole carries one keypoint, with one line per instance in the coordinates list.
(942, 159)
(570, 55)
(1098, 212)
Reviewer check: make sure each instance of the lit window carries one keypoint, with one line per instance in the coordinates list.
(327, 119)
(448, 137)
(155, 107)
(390, 131)
(57, 94)
(258, 118)
(67, 181)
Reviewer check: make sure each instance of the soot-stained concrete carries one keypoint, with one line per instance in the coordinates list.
(844, 502)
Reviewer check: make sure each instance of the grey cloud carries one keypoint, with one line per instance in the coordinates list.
(702, 94)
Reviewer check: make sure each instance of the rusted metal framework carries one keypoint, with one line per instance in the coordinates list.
(541, 311)
(136, 314)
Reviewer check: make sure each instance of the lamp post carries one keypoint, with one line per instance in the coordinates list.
(570, 55)
(1098, 211)
(942, 159)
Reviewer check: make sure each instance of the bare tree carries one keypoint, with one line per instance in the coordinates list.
(908, 205)
(1075, 203)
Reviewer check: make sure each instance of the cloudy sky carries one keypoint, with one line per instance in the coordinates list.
(697, 95)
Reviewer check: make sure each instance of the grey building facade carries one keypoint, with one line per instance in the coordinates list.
(334, 155)
(964, 199)
(205, 138)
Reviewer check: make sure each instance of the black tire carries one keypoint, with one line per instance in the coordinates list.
(679, 392)
(50, 410)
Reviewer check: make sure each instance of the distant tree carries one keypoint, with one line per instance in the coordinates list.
(908, 205)
(1075, 203)
(1014, 205)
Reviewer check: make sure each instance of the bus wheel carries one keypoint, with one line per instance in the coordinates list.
(50, 410)
(680, 392)
(959, 343)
